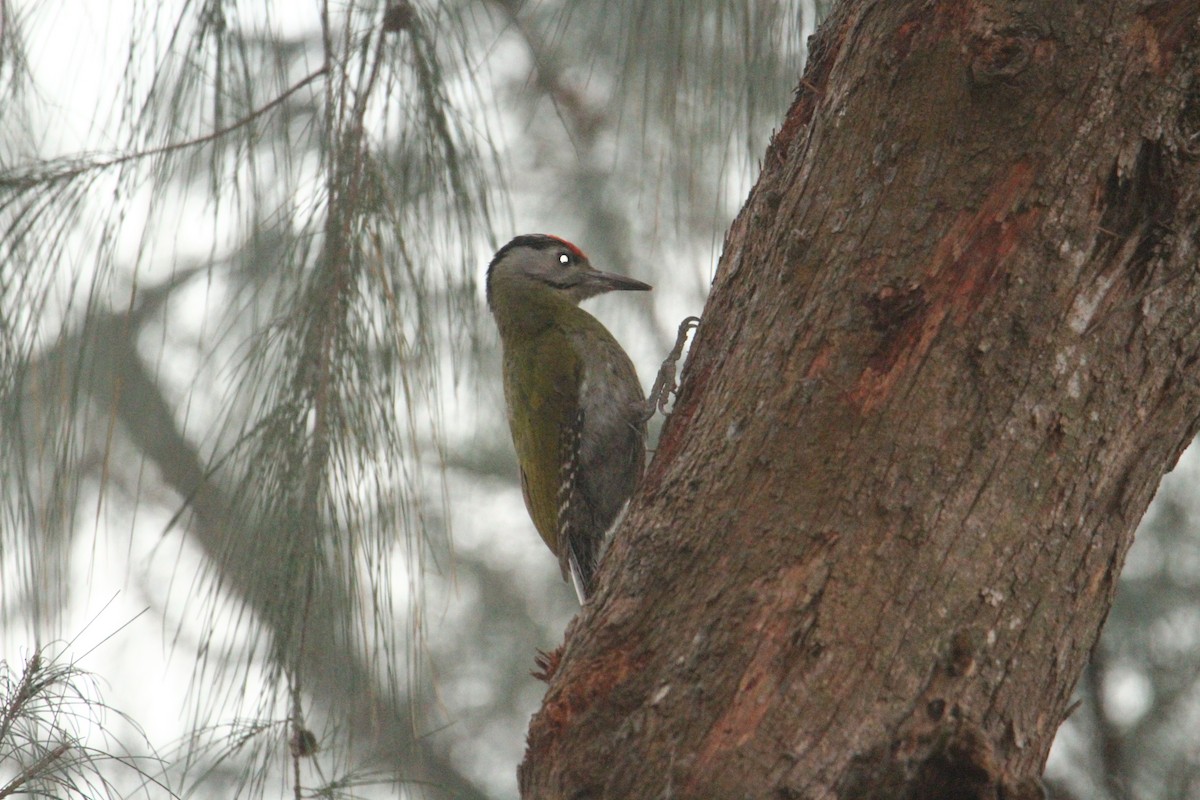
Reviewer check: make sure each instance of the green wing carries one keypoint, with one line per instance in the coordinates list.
(541, 387)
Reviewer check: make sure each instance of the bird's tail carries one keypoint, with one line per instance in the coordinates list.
(583, 571)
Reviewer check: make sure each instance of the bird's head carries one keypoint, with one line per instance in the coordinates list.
(537, 263)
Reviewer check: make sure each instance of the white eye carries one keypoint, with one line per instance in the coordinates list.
(564, 259)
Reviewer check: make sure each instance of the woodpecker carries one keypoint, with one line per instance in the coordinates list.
(575, 407)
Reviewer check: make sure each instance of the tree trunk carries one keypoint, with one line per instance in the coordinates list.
(950, 350)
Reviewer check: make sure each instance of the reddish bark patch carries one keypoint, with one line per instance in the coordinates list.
(586, 685)
(798, 117)
(808, 94)
(934, 20)
(547, 664)
(771, 629)
(966, 268)
(1163, 29)
(902, 43)
(820, 362)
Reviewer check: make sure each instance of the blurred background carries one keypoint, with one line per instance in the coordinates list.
(260, 528)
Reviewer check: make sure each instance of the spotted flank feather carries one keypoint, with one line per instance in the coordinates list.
(574, 551)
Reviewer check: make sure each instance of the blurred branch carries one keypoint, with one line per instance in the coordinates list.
(249, 555)
(22, 178)
(47, 713)
(607, 224)
(579, 119)
(33, 770)
(1110, 745)
(1058, 790)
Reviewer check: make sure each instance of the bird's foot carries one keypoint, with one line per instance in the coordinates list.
(665, 384)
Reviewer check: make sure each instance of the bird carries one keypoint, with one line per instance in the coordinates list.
(575, 407)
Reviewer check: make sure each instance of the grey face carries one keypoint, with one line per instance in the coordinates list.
(550, 261)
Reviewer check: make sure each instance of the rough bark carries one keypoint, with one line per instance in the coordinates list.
(950, 350)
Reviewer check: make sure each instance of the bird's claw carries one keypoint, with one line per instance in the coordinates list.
(665, 384)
